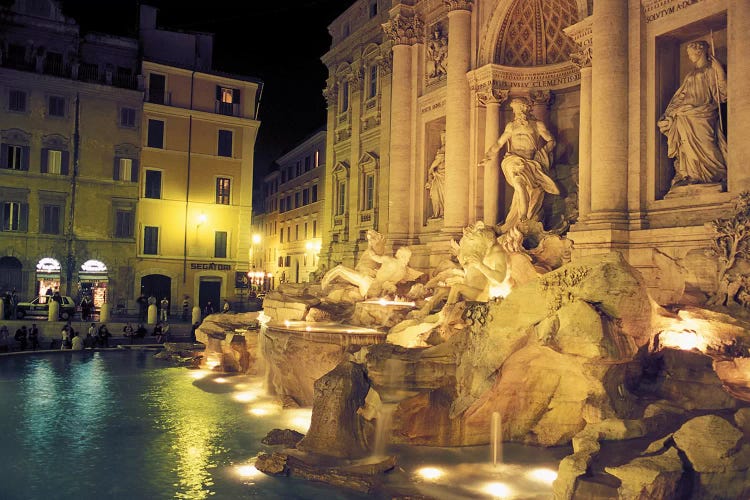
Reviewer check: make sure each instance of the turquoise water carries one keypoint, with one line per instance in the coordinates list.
(124, 425)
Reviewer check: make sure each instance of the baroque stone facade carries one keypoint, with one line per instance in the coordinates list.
(598, 75)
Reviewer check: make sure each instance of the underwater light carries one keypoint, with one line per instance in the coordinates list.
(245, 396)
(247, 471)
(543, 475)
(430, 473)
(497, 490)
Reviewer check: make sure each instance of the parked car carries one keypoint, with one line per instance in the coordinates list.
(40, 307)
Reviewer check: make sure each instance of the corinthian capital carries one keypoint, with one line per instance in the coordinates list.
(331, 94)
(492, 95)
(542, 97)
(458, 4)
(404, 30)
(583, 57)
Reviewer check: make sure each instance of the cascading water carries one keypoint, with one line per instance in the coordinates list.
(496, 438)
(383, 425)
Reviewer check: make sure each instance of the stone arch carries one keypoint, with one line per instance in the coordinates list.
(541, 20)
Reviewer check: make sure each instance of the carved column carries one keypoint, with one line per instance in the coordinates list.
(405, 29)
(581, 33)
(457, 114)
(494, 192)
(738, 98)
(609, 96)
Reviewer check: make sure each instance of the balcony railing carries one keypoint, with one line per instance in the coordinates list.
(227, 108)
(81, 72)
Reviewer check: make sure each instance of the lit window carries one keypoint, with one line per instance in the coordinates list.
(54, 161)
(14, 216)
(126, 169)
(223, 190)
(317, 159)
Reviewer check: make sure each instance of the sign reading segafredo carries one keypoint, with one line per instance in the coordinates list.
(210, 266)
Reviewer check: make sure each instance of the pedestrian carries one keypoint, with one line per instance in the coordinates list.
(193, 329)
(34, 336)
(85, 308)
(142, 302)
(14, 303)
(185, 308)
(7, 304)
(157, 332)
(226, 307)
(89, 342)
(163, 309)
(4, 345)
(140, 332)
(77, 343)
(128, 331)
(65, 335)
(104, 335)
(208, 309)
(163, 335)
(21, 337)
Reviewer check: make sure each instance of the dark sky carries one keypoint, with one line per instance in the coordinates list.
(278, 41)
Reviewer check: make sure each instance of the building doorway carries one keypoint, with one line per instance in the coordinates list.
(158, 285)
(210, 290)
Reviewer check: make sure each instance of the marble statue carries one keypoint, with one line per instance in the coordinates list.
(485, 264)
(436, 180)
(525, 164)
(691, 120)
(437, 51)
(374, 281)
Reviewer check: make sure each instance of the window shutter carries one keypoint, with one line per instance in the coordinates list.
(218, 93)
(134, 171)
(2, 214)
(64, 160)
(45, 160)
(25, 158)
(116, 169)
(236, 96)
(23, 224)
(4, 156)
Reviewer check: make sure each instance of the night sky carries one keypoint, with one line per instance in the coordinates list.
(280, 42)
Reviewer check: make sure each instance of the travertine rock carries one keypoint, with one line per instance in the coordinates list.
(709, 443)
(336, 429)
(656, 476)
(287, 437)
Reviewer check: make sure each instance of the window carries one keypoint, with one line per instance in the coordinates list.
(305, 230)
(124, 169)
(288, 259)
(225, 143)
(281, 206)
(54, 161)
(283, 175)
(56, 106)
(127, 117)
(369, 192)
(50, 219)
(150, 240)
(373, 9)
(153, 184)
(223, 190)
(306, 197)
(296, 232)
(296, 200)
(15, 216)
(341, 202)
(289, 234)
(289, 202)
(220, 244)
(281, 236)
(157, 87)
(298, 169)
(17, 100)
(372, 89)
(314, 193)
(124, 224)
(307, 163)
(315, 229)
(281, 261)
(226, 100)
(344, 97)
(316, 163)
(155, 134)
(14, 157)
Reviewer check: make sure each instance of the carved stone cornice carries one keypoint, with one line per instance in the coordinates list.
(542, 97)
(492, 95)
(385, 63)
(551, 77)
(404, 29)
(458, 4)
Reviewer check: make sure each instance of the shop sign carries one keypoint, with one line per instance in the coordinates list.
(240, 279)
(48, 265)
(93, 266)
(211, 266)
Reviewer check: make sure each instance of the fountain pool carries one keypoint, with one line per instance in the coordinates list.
(125, 425)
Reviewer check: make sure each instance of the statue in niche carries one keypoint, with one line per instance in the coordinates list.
(691, 120)
(380, 278)
(526, 162)
(437, 51)
(436, 180)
